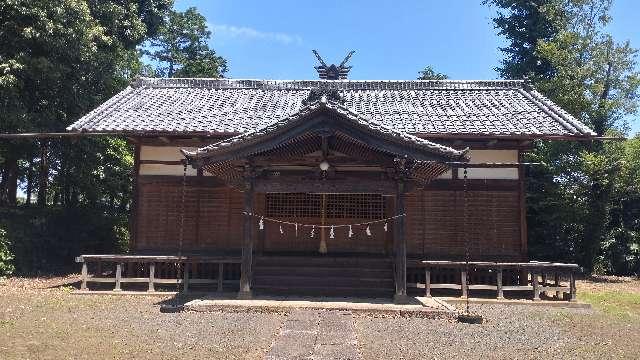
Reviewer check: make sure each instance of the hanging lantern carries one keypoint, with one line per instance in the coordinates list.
(261, 223)
(368, 231)
(350, 231)
(331, 233)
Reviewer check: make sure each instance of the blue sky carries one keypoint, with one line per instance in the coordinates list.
(392, 39)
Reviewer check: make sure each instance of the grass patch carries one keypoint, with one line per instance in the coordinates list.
(619, 304)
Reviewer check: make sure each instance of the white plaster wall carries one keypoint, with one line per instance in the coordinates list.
(492, 156)
(165, 153)
(159, 169)
(171, 153)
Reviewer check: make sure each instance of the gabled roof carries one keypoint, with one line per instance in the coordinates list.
(420, 107)
(313, 117)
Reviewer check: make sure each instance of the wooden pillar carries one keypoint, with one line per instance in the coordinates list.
(427, 282)
(185, 277)
(499, 284)
(83, 285)
(118, 277)
(536, 287)
(220, 277)
(247, 244)
(400, 247)
(572, 287)
(463, 283)
(152, 276)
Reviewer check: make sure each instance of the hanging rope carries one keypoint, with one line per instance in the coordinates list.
(263, 219)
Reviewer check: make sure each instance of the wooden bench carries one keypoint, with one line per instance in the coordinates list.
(535, 277)
(180, 265)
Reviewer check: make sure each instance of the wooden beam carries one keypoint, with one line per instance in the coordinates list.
(354, 185)
(161, 162)
(474, 185)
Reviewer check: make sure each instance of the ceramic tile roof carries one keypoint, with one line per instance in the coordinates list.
(232, 144)
(229, 107)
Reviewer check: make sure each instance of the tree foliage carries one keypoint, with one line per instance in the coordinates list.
(576, 200)
(181, 47)
(6, 255)
(429, 74)
(59, 60)
(524, 23)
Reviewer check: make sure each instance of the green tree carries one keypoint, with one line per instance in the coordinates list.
(429, 74)
(595, 79)
(181, 47)
(58, 61)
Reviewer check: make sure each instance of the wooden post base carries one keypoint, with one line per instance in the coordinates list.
(400, 299)
(470, 319)
(245, 295)
(171, 308)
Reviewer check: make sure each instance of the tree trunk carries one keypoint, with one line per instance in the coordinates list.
(43, 175)
(9, 186)
(29, 181)
(12, 180)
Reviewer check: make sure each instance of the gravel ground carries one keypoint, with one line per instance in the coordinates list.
(41, 319)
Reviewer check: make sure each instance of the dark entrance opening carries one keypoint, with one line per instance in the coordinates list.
(326, 209)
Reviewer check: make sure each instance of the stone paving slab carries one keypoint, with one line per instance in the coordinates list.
(316, 334)
(549, 303)
(418, 307)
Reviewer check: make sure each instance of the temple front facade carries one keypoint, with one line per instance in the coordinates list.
(322, 185)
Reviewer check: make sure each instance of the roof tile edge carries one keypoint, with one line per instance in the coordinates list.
(213, 83)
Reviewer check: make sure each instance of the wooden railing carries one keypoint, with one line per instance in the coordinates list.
(158, 270)
(535, 277)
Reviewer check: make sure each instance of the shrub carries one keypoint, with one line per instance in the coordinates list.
(6, 256)
(46, 241)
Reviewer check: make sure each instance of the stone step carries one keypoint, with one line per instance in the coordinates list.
(323, 291)
(304, 281)
(324, 271)
(321, 261)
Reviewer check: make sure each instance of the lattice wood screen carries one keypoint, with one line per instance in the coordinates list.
(338, 206)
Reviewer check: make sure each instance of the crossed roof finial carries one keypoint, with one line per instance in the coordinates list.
(333, 72)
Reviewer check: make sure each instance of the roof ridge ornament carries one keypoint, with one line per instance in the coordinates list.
(333, 71)
(323, 95)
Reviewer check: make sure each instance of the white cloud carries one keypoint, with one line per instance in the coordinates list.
(253, 34)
